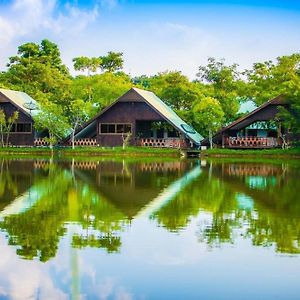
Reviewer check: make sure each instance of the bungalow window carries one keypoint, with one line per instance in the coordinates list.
(21, 128)
(107, 128)
(115, 128)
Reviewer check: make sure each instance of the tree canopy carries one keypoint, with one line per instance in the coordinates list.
(213, 98)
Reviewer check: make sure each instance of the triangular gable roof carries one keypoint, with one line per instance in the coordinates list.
(279, 100)
(21, 100)
(161, 108)
(166, 112)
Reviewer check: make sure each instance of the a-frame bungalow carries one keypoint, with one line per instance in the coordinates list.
(23, 132)
(256, 129)
(142, 115)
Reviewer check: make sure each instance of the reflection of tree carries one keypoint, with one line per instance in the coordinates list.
(108, 242)
(274, 219)
(267, 230)
(203, 193)
(9, 185)
(97, 215)
(36, 231)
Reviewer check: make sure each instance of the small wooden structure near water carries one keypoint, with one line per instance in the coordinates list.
(22, 132)
(256, 130)
(142, 116)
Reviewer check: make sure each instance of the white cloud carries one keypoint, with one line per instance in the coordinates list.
(169, 46)
(6, 32)
(23, 279)
(32, 19)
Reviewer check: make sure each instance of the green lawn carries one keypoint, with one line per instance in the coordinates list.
(90, 151)
(252, 152)
(141, 152)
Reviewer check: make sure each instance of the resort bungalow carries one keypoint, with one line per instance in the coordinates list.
(22, 132)
(256, 129)
(147, 120)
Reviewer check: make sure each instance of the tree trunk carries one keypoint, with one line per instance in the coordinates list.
(7, 136)
(210, 138)
(73, 139)
(2, 136)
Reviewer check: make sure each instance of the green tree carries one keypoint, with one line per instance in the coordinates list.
(6, 125)
(51, 118)
(224, 84)
(100, 90)
(270, 79)
(37, 69)
(78, 112)
(208, 112)
(112, 62)
(89, 64)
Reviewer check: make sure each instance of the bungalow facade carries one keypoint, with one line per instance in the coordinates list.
(147, 120)
(23, 132)
(256, 129)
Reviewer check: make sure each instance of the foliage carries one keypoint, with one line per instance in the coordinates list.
(6, 125)
(224, 84)
(38, 71)
(51, 118)
(100, 90)
(173, 87)
(112, 62)
(83, 63)
(78, 112)
(270, 79)
(209, 115)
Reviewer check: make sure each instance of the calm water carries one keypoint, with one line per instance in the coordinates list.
(149, 230)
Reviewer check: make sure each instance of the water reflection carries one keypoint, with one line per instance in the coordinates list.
(101, 197)
(96, 203)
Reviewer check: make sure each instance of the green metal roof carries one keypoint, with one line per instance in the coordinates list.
(170, 115)
(21, 100)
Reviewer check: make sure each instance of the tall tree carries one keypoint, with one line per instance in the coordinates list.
(6, 124)
(112, 62)
(282, 77)
(78, 112)
(37, 69)
(89, 64)
(100, 90)
(175, 89)
(52, 118)
(209, 115)
(225, 84)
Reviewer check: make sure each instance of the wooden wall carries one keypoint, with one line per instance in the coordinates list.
(125, 112)
(18, 139)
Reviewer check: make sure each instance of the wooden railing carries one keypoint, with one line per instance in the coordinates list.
(251, 142)
(40, 142)
(162, 143)
(85, 142)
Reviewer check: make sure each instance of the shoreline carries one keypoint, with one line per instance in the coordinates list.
(146, 152)
(251, 153)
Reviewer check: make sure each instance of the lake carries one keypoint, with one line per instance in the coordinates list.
(149, 229)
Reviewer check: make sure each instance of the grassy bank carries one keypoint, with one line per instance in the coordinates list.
(142, 152)
(293, 152)
(89, 152)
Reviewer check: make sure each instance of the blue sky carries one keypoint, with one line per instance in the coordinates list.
(155, 35)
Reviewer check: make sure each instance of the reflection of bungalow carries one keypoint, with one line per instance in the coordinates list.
(133, 190)
(257, 129)
(22, 132)
(142, 114)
